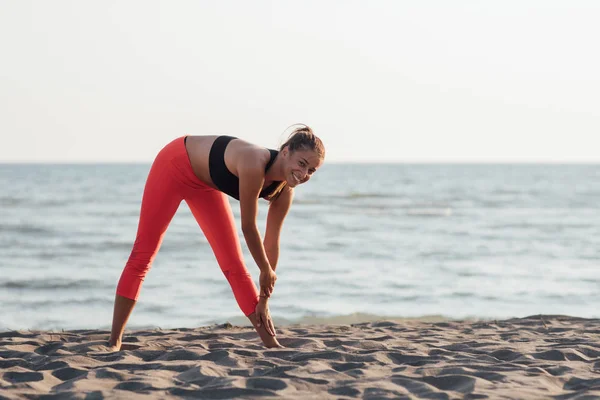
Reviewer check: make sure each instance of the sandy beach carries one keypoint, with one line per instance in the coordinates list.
(537, 357)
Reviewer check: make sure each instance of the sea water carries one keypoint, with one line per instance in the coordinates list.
(391, 240)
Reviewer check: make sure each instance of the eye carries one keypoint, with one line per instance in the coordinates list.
(302, 163)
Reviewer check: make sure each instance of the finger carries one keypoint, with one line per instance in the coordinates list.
(272, 325)
(265, 323)
(268, 325)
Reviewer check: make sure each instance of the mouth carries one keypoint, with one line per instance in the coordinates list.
(295, 178)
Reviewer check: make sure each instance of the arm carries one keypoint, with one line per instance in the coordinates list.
(251, 177)
(278, 209)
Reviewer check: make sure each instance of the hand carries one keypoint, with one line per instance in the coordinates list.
(263, 317)
(267, 282)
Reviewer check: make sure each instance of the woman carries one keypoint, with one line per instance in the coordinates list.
(203, 170)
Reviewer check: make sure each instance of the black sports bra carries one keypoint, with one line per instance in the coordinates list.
(223, 179)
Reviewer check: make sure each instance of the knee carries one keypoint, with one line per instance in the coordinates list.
(140, 262)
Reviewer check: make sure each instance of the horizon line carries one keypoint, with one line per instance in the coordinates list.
(349, 162)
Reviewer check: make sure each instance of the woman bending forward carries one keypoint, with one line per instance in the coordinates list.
(203, 170)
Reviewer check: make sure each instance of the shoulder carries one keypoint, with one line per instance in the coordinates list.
(249, 155)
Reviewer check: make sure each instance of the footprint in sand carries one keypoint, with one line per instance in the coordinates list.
(133, 386)
(457, 383)
(345, 391)
(227, 393)
(299, 342)
(68, 373)
(20, 377)
(50, 348)
(266, 383)
(418, 388)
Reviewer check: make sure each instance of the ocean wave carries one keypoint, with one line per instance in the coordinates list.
(55, 255)
(327, 199)
(114, 213)
(50, 303)
(310, 201)
(347, 319)
(25, 229)
(52, 203)
(368, 195)
(52, 284)
(400, 286)
(429, 212)
(100, 246)
(11, 201)
(154, 308)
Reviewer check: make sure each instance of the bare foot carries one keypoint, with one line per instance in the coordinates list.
(268, 340)
(112, 347)
(272, 343)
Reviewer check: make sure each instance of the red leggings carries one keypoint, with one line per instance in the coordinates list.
(171, 180)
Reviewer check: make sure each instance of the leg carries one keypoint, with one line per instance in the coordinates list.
(213, 213)
(162, 196)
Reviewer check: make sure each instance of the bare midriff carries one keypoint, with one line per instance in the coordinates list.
(198, 150)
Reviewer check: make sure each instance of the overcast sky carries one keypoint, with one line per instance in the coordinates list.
(401, 81)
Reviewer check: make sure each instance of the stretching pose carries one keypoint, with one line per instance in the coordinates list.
(203, 170)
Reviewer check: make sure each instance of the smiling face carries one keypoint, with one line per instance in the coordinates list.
(300, 164)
